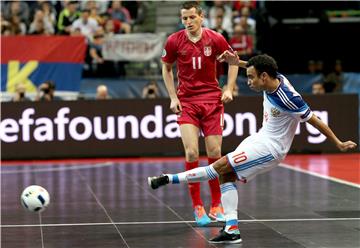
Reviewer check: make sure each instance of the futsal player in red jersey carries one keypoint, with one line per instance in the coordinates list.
(198, 99)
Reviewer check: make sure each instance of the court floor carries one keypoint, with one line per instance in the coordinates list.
(309, 201)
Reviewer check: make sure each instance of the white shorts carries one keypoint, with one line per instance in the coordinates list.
(250, 158)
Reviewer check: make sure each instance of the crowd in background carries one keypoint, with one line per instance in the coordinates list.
(68, 17)
(97, 20)
(332, 77)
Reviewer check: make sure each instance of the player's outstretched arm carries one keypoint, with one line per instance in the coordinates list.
(326, 130)
(232, 59)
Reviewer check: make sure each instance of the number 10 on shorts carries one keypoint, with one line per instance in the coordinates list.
(239, 157)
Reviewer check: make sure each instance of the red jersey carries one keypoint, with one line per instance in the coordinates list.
(196, 64)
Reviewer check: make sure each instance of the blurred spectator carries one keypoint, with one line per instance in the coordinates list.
(218, 27)
(318, 88)
(112, 26)
(240, 4)
(151, 90)
(67, 17)
(97, 66)
(248, 23)
(242, 43)
(101, 5)
(49, 12)
(94, 14)
(16, 26)
(248, 29)
(109, 28)
(76, 32)
(335, 79)
(145, 21)
(221, 9)
(102, 93)
(5, 26)
(38, 28)
(46, 92)
(95, 48)
(94, 58)
(20, 92)
(319, 65)
(132, 7)
(86, 24)
(40, 24)
(19, 9)
(311, 67)
(119, 12)
(221, 68)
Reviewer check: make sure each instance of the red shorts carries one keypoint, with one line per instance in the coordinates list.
(209, 117)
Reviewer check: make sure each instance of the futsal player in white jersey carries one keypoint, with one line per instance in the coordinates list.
(283, 109)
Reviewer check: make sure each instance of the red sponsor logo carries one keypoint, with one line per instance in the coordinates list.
(266, 116)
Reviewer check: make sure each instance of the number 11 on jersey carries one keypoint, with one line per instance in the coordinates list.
(196, 62)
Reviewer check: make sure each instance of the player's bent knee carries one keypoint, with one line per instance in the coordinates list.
(229, 177)
(222, 167)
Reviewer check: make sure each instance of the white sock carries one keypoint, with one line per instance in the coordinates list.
(194, 175)
(229, 201)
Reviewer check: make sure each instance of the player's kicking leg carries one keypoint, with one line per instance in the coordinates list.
(199, 174)
(230, 233)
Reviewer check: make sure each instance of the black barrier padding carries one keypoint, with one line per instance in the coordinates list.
(137, 127)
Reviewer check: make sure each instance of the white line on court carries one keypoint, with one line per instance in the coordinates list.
(151, 194)
(178, 222)
(103, 208)
(41, 231)
(320, 175)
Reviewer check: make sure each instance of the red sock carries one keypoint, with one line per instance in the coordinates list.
(214, 187)
(194, 188)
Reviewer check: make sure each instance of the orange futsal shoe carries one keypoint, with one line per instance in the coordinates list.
(201, 217)
(217, 213)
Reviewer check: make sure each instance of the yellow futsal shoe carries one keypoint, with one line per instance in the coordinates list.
(217, 213)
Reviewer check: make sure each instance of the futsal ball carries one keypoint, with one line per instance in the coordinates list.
(35, 198)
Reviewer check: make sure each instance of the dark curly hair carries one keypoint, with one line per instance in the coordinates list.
(264, 63)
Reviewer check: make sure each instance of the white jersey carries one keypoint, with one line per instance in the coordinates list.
(283, 110)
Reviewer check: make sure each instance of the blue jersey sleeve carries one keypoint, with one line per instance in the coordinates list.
(303, 112)
(290, 101)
